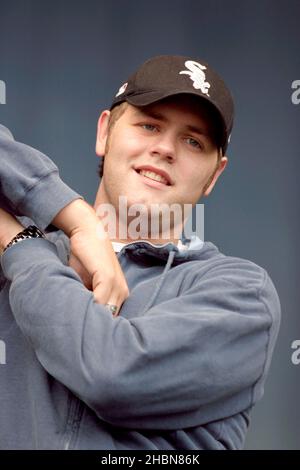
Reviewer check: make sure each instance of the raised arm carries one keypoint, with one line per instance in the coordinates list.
(30, 184)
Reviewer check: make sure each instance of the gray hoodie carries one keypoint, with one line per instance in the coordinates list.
(179, 368)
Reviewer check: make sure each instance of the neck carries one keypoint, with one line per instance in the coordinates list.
(120, 228)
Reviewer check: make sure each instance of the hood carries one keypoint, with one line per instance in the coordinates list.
(189, 249)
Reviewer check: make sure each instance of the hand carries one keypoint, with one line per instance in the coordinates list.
(92, 254)
(9, 228)
(97, 264)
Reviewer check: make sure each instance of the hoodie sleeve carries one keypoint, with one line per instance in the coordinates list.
(196, 358)
(29, 182)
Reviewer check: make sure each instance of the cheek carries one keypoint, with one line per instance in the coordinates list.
(193, 180)
(194, 176)
(126, 148)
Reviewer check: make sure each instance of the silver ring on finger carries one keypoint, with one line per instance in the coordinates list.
(112, 308)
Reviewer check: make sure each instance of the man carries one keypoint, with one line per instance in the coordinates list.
(184, 357)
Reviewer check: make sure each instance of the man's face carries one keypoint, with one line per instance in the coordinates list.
(174, 135)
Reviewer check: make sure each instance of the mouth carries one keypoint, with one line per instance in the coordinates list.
(152, 180)
(158, 177)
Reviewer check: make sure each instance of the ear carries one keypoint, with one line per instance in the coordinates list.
(102, 133)
(221, 167)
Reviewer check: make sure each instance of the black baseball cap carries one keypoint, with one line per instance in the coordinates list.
(168, 75)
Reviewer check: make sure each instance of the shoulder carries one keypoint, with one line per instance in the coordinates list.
(239, 271)
(235, 277)
(252, 281)
(5, 132)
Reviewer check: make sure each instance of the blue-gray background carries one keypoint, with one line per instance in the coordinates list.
(63, 61)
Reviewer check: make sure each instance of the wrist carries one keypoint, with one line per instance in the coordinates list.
(9, 228)
(32, 231)
(7, 236)
(75, 216)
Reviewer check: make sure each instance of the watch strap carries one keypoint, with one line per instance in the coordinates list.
(30, 232)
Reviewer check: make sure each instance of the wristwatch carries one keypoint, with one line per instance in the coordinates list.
(30, 232)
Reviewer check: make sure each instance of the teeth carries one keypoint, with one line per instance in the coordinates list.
(154, 176)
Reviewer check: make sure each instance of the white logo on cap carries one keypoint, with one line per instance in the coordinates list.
(122, 89)
(195, 71)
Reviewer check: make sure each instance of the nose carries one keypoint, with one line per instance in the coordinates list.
(164, 146)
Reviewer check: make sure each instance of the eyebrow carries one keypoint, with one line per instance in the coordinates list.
(161, 117)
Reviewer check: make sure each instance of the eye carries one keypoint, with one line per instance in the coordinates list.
(149, 127)
(194, 143)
